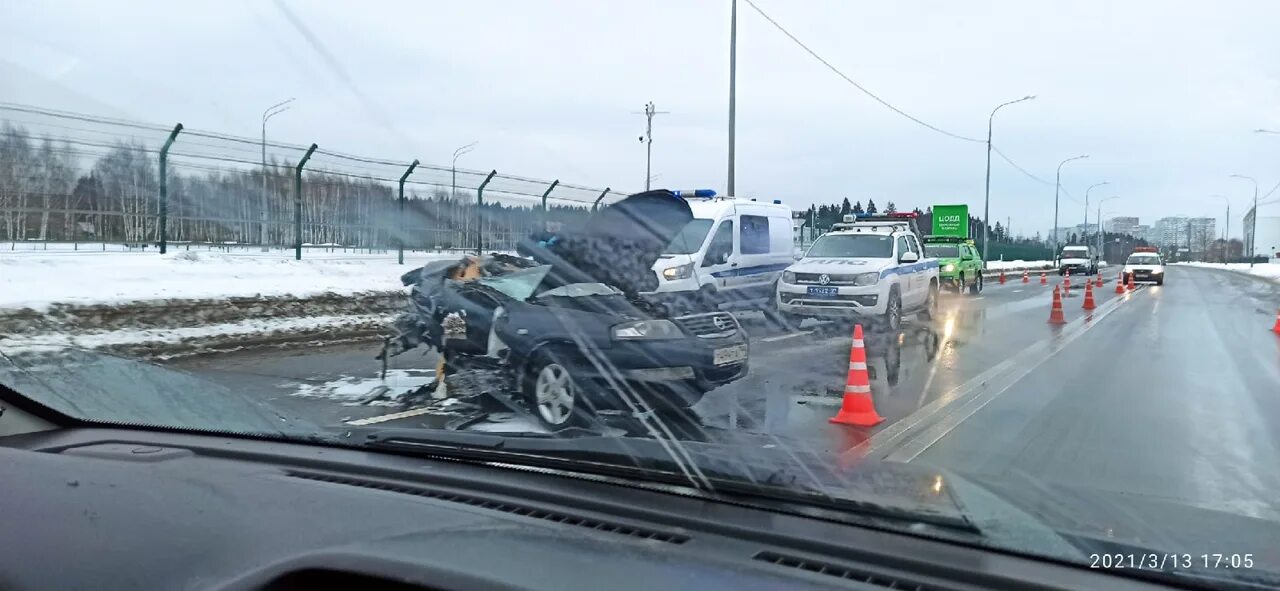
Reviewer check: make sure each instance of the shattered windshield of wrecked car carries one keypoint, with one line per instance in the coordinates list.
(519, 285)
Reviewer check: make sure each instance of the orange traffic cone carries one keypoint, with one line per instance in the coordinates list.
(1131, 286)
(1120, 283)
(1044, 278)
(857, 409)
(1066, 280)
(1055, 315)
(1026, 277)
(1088, 296)
(1001, 276)
(1276, 328)
(1098, 280)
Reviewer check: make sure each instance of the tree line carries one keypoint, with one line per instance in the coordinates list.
(52, 191)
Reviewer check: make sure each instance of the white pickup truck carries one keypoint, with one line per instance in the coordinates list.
(871, 267)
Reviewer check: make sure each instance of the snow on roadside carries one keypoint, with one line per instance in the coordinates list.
(1018, 264)
(38, 279)
(169, 336)
(350, 390)
(1269, 270)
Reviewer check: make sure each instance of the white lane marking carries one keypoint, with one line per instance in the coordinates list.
(391, 417)
(783, 337)
(1018, 291)
(979, 298)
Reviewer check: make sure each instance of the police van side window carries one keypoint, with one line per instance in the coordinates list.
(755, 234)
(903, 246)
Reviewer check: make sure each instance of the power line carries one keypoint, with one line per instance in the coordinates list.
(853, 82)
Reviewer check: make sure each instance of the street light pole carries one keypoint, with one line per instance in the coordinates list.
(271, 111)
(453, 191)
(1253, 232)
(649, 112)
(1057, 185)
(986, 210)
(1086, 206)
(733, 87)
(1102, 243)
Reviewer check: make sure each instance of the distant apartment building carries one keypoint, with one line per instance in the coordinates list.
(1123, 225)
(1203, 231)
(1169, 231)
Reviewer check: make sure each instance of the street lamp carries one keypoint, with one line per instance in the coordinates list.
(453, 191)
(1057, 184)
(1086, 205)
(1266, 131)
(271, 111)
(1101, 243)
(986, 207)
(1253, 232)
(1226, 232)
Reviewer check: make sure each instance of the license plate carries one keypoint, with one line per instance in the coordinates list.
(729, 355)
(824, 291)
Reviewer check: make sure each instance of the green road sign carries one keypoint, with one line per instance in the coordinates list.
(951, 220)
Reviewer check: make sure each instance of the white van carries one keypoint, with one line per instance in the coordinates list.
(731, 254)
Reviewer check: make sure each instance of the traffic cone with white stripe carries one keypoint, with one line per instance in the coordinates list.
(1026, 277)
(1276, 328)
(1131, 286)
(1001, 276)
(857, 408)
(1098, 280)
(1088, 296)
(1044, 278)
(1120, 283)
(1066, 280)
(1055, 315)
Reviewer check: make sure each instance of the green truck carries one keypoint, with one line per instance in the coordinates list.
(959, 264)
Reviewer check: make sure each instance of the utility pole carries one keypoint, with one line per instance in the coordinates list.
(1253, 232)
(649, 112)
(733, 87)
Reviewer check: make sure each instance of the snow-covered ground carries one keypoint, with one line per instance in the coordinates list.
(1269, 270)
(36, 278)
(1019, 264)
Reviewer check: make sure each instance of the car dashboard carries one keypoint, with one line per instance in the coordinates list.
(114, 508)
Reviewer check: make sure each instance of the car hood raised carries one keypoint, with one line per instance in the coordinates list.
(616, 245)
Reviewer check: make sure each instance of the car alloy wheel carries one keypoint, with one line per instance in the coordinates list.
(555, 394)
(893, 312)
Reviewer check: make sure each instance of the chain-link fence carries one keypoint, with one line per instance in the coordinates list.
(74, 178)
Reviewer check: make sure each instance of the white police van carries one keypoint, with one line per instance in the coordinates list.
(731, 254)
(868, 267)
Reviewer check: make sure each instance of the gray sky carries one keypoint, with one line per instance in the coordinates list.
(1163, 95)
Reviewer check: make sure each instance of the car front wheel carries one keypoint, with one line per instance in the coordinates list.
(892, 319)
(930, 310)
(553, 394)
(977, 285)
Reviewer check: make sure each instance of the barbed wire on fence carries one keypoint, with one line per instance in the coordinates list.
(72, 176)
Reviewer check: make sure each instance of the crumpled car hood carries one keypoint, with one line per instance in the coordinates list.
(616, 245)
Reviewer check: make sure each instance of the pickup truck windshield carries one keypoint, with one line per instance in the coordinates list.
(939, 251)
(876, 246)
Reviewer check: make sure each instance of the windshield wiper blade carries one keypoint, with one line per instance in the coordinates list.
(767, 478)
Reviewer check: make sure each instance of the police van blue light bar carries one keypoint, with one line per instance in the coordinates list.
(696, 193)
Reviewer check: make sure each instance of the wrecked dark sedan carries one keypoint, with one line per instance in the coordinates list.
(565, 327)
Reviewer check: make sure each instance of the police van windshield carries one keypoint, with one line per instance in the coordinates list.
(941, 251)
(689, 240)
(1144, 259)
(875, 246)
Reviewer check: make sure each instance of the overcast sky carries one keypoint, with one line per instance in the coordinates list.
(1162, 95)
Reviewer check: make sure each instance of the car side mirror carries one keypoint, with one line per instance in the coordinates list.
(908, 257)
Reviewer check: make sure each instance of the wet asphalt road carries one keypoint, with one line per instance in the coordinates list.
(1172, 391)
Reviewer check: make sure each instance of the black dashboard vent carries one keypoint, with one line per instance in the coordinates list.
(847, 572)
(503, 506)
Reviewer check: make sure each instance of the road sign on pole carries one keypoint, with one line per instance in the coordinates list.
(951, 220)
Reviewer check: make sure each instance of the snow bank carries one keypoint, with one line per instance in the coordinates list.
(1269, 270)
(1018, 264)
(38, 278)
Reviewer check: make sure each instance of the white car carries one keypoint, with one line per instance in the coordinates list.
(871, 270)
(1144, 266)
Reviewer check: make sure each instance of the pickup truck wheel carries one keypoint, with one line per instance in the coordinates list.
(930, 310)
(892, 319)
(976, 288)
(553, 394)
